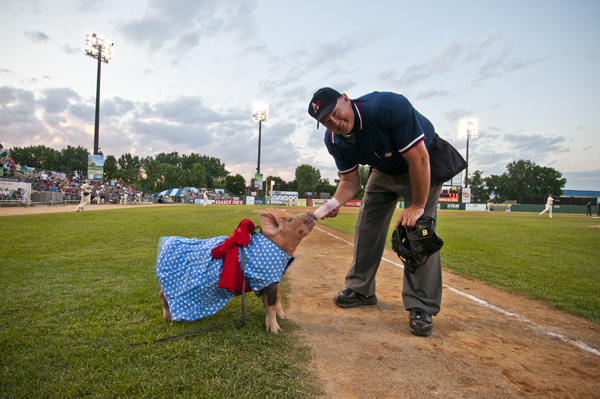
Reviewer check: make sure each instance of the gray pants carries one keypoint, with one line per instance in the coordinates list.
(423, 288)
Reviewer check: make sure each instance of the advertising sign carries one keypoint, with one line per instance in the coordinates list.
(281, 197)
(449, 194)
(95, 167)
(475, 207)
(229, 202)
(258, 181)
(466, 195)
(354, 203)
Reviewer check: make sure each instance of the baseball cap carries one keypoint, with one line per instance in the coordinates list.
(322, 103)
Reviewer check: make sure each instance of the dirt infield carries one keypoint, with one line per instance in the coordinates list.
(485, 343)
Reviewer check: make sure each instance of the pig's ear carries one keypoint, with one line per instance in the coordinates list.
(270, 223)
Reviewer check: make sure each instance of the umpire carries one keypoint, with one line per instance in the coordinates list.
(384, 131)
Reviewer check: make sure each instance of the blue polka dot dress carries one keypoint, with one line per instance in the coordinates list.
(189, 275)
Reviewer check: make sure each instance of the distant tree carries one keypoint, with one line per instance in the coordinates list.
(280, 184)
(235, 184)
(131, 165)
(497, 187)
(198, 176)
(110, 166)
(121, 175)
(479, 193)
(324, 186)
(307, 178)
(171, 158)
(39, 157)
(183, 178)
(170, 178)
(72, 158)
(524, 178)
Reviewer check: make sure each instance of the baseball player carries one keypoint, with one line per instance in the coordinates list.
(549, 205)
(86, 195)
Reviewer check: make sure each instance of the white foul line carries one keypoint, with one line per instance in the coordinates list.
(543, 329)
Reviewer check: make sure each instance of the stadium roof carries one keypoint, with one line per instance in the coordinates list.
(581, 193)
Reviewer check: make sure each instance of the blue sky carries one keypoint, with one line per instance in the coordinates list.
(186, 73)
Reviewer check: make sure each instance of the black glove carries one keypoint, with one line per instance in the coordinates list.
(414, 245)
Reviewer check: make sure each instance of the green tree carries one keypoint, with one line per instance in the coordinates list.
(524, 178)
(131, 165)
(280, 184)
(198, 176)
(235, 184)
(39, 157)
(479, 192)
(110, 166)
(324, 186)
(183, 178)
(72, 158)
(170, 178)
(171, 158)
(497, 187)
(307, 178)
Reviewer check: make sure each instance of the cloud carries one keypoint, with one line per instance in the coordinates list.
(181, 26)
(37, 36)
(71, 50)
(486, 58)
(535, 147)
(434, 93)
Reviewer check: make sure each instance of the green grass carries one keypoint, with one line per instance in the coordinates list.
(79, 288)
(556, 261)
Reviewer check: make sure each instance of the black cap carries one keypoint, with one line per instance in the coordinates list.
(322, 103)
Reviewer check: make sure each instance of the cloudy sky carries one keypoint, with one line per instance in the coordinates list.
(186, 73)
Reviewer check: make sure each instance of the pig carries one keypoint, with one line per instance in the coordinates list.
(189, 276)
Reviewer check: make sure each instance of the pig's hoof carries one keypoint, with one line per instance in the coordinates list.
(273, 327)
(165, 305)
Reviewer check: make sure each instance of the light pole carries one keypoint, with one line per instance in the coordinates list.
(468, 129)
(260, 112)
(101, 49)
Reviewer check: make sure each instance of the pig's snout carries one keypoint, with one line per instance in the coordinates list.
(308, 221)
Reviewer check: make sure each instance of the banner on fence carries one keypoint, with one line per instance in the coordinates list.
(281, 197)
(229, 202)
(354, 203)
(475, 207)
(501, 208)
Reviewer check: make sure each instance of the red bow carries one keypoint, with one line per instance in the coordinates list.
(231, 276)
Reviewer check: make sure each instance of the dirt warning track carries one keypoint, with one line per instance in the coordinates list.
(485, 344)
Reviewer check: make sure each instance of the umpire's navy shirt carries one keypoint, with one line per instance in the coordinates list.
(385, 126)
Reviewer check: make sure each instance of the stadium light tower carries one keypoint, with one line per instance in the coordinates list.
(468, 129)
(100, 48)
(260, 113)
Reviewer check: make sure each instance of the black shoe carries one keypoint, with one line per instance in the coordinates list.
(420, 322)
(348, 298)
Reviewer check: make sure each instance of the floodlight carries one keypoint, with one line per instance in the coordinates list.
(99, 48)
(467, 129)
(260, 112)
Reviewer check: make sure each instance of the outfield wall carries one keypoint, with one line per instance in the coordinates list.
(571, 209)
